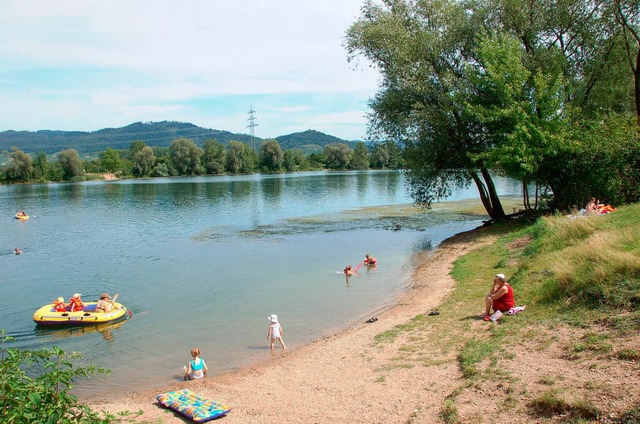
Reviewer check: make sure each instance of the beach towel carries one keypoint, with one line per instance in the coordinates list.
(193, 406)
(516, 309)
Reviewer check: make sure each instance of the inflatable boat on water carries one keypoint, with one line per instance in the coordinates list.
(47, 315)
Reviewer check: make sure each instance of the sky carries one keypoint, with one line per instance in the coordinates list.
(93, 64)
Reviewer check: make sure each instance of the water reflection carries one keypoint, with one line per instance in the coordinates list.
(271, 191)
(54, 333)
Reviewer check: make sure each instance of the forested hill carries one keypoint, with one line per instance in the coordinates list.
(159, 134)
(309, 140)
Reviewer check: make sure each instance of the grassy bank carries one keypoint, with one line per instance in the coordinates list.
(570, 354)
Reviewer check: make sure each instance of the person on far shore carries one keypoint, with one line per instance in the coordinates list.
(592, 206)
(105, 304)
(275, 331)
(75, 303)
(500, 297)
(197, 368)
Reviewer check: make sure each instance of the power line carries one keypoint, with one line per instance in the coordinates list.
(251, 125)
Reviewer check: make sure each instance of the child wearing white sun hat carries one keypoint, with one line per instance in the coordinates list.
(275, 331)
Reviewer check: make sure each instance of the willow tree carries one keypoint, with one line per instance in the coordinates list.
(19, 167)
(478, 87)
(421, 49)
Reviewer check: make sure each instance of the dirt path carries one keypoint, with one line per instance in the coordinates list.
(344, 378)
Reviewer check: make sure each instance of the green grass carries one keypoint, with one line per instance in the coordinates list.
(580, 276)
(449, 412)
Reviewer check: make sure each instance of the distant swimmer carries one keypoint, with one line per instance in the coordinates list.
(370, 260)
(350, 271)
(17, 251)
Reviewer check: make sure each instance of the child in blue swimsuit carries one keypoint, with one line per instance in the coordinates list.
(197, 367)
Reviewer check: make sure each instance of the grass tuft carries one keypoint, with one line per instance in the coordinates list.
(449, 412)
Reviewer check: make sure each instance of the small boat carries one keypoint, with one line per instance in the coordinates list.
(47, 315)
(22, 217)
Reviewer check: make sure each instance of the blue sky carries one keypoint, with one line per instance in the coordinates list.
(87, 65)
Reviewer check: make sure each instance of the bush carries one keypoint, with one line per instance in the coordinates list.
(34, 387)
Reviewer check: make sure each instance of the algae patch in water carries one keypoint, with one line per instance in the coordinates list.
(403, 217)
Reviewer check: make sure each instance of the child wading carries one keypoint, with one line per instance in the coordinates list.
(275, 331)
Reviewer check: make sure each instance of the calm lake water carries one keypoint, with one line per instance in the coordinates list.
(203, 261)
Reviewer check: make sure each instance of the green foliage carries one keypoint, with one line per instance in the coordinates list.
(360, 157)
(309, 138)
(271, 156)
(550, 404)
(598, 158)
(337, 156)
(185, 156)
(214, 157)
(40, 167)
(34, 387)
(295, 160)
(70, 163)
(449, 412)
(143, 161)
(474, 351)
(19, 167)
(468, 90)
(110, 160)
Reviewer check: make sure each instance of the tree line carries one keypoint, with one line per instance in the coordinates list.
(184, 158)
(546, 91)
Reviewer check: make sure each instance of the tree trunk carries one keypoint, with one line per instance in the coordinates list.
(488, 195)
(636, 75)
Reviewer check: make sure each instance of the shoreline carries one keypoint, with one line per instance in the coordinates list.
(335, 378)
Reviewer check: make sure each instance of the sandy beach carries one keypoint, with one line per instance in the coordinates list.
(336, 379)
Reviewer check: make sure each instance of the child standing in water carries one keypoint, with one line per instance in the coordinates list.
(275, 331)
(197, 367)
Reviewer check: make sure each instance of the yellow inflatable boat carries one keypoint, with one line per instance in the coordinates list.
(22, 217)
(47, 315)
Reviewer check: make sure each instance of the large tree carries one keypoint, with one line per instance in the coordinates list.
(271, 156)
(214, 157)
(40, 167)
(144, 161)
(337, 155)
(477, 87)
(110, 160)
(422, 48)
(70, 163)
(360, 157)
(19, 167)
(185, 156)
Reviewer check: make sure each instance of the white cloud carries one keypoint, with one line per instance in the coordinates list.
(109, 61)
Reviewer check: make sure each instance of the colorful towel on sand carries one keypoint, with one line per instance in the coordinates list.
(193, 406)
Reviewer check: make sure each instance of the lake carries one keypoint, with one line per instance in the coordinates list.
(203, 261)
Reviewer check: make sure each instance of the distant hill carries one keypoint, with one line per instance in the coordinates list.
(159, 134)
(310, 141)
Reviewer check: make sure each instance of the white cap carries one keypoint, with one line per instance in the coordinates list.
(501, 276)
(273, 318)
(76, 295)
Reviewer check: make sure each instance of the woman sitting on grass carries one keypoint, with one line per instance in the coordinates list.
(500, 298)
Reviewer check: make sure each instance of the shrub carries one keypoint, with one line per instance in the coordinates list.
(34, 387)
